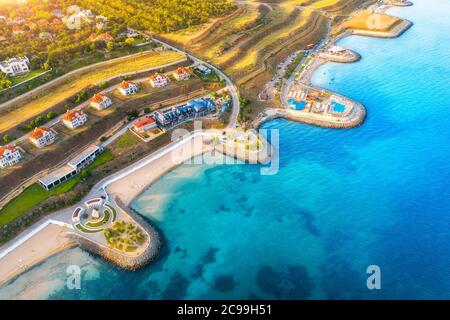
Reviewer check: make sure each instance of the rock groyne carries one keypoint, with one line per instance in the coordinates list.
(121, 259)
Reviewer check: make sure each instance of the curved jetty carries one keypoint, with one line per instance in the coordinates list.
(394, 33)
(125, 260)
(339, 54)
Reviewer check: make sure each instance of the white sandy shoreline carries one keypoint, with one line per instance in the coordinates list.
(47, 242)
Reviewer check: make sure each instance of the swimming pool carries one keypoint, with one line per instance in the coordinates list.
(337, 107)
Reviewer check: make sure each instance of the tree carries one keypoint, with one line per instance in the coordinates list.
(132, 114)
(110, 46)
(6, 138)
(51, 115)
(4, 81)
(129, 42)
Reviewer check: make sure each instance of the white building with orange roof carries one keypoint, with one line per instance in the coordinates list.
(42, 137)
(74, 119)
(9, 156)
(182, 73)
(158, 80)
(127, 88)
(100, 101)
(144, 124)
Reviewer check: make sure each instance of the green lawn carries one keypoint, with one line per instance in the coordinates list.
(29, 75)
(102, 222)
(83, 229)
(114, 213)
(35, 194)
(127, 140)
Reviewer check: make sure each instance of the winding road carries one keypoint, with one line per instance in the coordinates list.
(230, 85)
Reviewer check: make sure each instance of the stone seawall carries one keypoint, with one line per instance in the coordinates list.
(355, 121)
(398, 31)
(342, 59)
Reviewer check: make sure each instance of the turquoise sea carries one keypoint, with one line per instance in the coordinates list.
(341, 201)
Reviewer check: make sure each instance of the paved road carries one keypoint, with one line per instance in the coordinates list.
(288, 83)
(231, 86)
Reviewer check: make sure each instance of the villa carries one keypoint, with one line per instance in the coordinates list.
(196, 108)
(9, 156)
(204, 70)
(42, 137)
(15, 66)
(158, 80)
(127, 88)
(100, 101)
(73, 167)
(202, 106)
(130, 33)
(74, 119)
(182, 73)
(101, 37)
(144, 124)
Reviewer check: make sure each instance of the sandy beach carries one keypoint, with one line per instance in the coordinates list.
(49, 241)
(135, 182)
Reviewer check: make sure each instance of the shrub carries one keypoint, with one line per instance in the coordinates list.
(51, 115)
(6, 138)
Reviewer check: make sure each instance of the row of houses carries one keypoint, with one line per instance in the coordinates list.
(172, 116)
(193, 109)
(157, 80)
(41, 137)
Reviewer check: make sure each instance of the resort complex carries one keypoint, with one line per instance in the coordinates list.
(99, 127)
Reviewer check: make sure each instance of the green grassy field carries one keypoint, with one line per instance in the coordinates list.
(127, 140)
(35, 194)
(28, 76)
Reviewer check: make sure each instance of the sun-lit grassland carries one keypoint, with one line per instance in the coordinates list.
(35, 194)
(82, 79)
(252, 57)
(245, 15)
(365, 20)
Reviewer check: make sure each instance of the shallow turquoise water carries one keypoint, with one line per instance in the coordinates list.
(342, 200)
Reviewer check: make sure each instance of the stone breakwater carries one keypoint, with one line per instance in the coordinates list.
(121, 259)
(394, 33)
(348, 58)
(353, 120)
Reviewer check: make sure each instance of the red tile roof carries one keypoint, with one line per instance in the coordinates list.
(182, 70)
(126, 84)
(5, 148)
(72, 114)
(39, 133)
(100, 37)
(98, 98)
(144, 122)
(156, 75)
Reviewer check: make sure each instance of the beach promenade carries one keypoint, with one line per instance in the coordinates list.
(57, 233)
